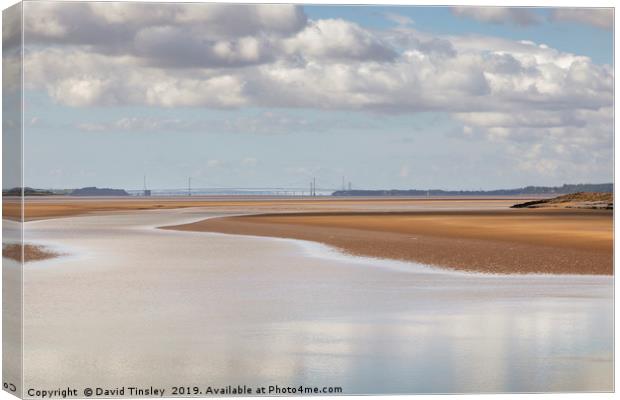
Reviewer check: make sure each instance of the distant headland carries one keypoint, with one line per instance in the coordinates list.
(86, 191)
(94, 191)
(528, 190)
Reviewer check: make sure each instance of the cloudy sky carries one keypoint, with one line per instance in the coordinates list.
(271, 95)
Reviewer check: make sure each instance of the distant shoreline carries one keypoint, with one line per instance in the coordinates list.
(43, 207)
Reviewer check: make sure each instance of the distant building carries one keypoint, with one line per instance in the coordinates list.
(147, 193)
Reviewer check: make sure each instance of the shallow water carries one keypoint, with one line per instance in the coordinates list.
(134, 305)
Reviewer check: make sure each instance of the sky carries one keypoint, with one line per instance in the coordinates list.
(388, 97)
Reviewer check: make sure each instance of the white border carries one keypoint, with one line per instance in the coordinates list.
(523, 3)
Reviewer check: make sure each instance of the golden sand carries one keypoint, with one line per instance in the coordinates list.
(506, 241)
(483, 235)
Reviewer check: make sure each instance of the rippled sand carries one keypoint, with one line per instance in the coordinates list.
(135, 305)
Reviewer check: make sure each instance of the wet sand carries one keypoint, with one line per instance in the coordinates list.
(496, 241)
(464, 233)
(31, 252)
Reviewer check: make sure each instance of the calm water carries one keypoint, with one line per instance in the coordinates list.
(132, 305)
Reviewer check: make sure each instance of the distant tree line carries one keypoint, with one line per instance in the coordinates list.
(95, 191)
(87, 191)
(27, 192)
(528, 190)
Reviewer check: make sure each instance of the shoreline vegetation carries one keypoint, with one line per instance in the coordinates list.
(594, 201)
(523, 191)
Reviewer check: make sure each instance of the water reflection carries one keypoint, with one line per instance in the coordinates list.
(161, 307)
(492, 348)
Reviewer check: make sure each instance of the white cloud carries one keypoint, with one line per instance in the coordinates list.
(214, 56)
(80, 91)
(338, 39)
(261, 123)
(562, 144)
(598, 17)
(123, 13)
(332, 64)
(168, 46)
(242, 19)
(46, 22)
(398, 19)
(542, 166)
(499, 15)
(111, 23)
(216, 91)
